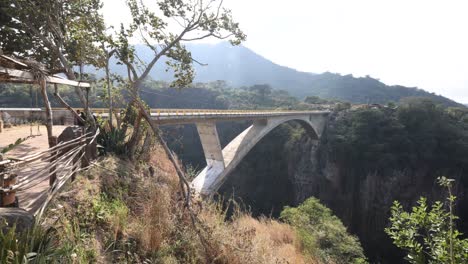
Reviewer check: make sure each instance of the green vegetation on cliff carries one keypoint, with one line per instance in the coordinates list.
(322, 233)
(419, 133)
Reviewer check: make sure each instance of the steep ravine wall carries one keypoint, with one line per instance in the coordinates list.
(363, 202)
(285, 169)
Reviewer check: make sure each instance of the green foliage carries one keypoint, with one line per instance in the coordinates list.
(363, 90)
(75, 242)
(342, 106)
(113, 213)
(13, 145)
(428, 235)
(316, 100)
(384, 139)
(322, 233)
(36, 245)
(67, 38)
(113, 141)
(218, 95)
(18, 95)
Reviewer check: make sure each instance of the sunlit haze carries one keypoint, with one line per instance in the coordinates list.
(416, 43)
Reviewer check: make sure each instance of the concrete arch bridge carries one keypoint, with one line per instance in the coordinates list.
(220, 162)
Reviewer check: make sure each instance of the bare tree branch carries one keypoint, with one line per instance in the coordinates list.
(199, 63)
(159, 55)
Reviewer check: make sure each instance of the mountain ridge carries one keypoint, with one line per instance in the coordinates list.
(240, 66)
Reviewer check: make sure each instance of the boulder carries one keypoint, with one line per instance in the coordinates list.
(73, 132)
(70, 133)
(22, 218)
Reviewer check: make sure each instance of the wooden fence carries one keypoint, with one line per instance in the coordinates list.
(41, 175)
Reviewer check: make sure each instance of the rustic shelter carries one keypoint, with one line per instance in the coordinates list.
(13, 70)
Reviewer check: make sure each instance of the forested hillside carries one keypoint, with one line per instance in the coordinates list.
(240, 66)
(367, 158)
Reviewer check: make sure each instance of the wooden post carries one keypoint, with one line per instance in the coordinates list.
(48, 110)
(53, 175)
(109, 94)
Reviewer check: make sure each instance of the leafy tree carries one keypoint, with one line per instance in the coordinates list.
(315, 100)
(322, 233)
(428, 235)
(196, 20)
(261, 91)
(60, 34)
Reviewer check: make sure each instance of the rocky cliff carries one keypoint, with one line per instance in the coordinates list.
(287, 167)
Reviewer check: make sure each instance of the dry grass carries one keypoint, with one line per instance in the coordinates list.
(154, 218)
(249, 240)
(161, 228)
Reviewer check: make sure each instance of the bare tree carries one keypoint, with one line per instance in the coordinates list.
(196, 20)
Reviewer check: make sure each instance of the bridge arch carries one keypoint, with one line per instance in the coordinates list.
(210, 179)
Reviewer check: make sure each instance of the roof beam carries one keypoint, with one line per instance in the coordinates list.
(18, 75)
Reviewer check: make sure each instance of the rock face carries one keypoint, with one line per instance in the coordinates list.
(280, 171)
(363, 200)
(18, 216)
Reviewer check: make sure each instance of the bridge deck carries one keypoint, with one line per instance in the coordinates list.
(181, 116)
(175, 116)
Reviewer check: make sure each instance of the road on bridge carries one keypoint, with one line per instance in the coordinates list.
(180, 116)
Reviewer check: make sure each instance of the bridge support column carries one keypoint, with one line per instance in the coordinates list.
(213, 155)
(211, 145)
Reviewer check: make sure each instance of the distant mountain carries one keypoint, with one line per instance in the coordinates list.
(240, 66)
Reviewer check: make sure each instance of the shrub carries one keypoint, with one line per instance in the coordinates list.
(112, 140)
(35, 244)
(323, 234)
(428, 235)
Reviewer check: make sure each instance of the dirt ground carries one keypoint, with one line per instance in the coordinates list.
(36, 142)
(31, 198)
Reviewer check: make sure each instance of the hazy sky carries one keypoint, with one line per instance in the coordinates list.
(421, 43)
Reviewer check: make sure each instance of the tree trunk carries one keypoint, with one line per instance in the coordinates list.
(111, 125)
(48, 110)
(136, 136)
(147, 145)
(49, 125)
(125, 120)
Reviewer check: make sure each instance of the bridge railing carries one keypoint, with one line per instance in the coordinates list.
(194, 112)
